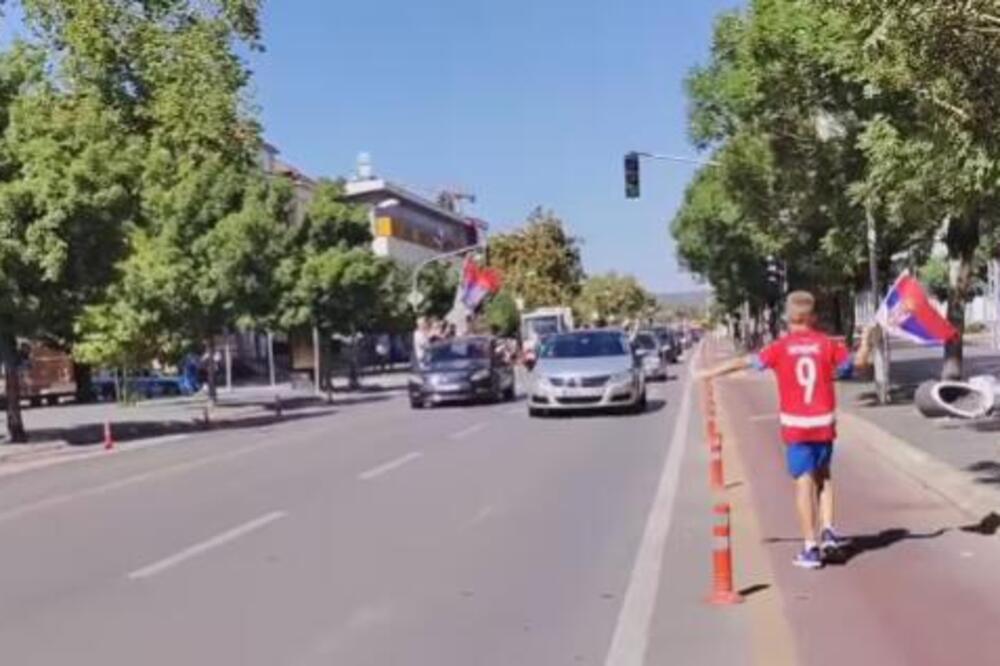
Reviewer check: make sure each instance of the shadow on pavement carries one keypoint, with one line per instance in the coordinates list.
(652, 406)
(89, 434)
(753, 589)
(988, 526)
(988, 471)
(865, 543)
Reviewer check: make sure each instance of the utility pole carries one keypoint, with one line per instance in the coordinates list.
(270, 357)
(882, 347)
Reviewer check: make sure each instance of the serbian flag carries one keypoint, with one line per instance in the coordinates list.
(477, 283)
(908, 313)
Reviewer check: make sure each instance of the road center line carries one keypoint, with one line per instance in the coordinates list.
(207, 545)
(465, 432)
(631, 637)
(389, 466)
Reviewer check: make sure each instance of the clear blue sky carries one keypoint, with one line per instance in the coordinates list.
(523, 102)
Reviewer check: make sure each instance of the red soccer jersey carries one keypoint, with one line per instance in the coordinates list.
(806, 365)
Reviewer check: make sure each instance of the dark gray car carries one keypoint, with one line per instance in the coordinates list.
(468, 369)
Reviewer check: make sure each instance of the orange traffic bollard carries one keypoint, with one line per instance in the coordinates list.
(723, 593)
(712, 430)
(715, 476)
(109, 438)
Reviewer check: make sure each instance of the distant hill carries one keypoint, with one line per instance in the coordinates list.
(695, 299)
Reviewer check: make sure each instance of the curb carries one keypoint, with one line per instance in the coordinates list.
(939, 477)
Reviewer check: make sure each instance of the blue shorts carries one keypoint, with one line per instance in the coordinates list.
(808, 457)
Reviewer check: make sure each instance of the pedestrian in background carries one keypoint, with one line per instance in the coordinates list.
(383, 350)
(421, 338)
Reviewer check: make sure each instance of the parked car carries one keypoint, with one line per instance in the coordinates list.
(651, 355)
(587, 370)
(469, 369)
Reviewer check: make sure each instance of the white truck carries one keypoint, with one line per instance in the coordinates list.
(539, 323)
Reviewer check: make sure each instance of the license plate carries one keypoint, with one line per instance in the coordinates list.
(575, 393)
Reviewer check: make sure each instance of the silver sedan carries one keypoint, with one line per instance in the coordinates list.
(586, 370)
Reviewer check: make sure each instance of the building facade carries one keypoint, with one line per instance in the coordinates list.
(408, 227)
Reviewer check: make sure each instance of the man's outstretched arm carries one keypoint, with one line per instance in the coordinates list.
(727, 368)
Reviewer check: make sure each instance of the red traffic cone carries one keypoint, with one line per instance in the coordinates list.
(109, 438)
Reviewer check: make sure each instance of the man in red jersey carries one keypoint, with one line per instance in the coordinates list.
(806, 363)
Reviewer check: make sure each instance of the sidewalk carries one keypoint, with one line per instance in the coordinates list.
(958, 458)
(71, 430)
(921, 586)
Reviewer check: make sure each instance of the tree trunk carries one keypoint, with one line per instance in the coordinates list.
(83, 378)
(213, 390)
(12, 380)
(353, 382)
(962, 240)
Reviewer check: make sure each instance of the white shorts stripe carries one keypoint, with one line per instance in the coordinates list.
(817, 421)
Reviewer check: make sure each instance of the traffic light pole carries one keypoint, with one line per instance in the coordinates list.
(677, 158)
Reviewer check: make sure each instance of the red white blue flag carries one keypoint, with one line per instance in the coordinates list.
(908, 313)
(477, 283)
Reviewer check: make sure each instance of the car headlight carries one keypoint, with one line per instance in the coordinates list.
(480, 375)
(542, 381)
(623, 377)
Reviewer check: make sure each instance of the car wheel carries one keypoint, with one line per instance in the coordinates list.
(535, 412)
(416, 403)
(510, 395)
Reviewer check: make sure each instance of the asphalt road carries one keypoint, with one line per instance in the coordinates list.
(366, 534)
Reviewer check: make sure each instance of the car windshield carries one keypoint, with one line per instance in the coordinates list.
(645, 341)
(543, 326)
(457, 350)
(583, 345)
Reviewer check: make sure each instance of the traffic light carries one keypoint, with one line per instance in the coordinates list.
(632, 175)
(774, 270)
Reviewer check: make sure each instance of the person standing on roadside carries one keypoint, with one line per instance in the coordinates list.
(421, 338)
(807, 363)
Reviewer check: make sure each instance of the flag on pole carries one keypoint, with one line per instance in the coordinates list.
(477, 283)
(908, 313)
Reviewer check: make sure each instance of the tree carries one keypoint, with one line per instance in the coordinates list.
(539, 262)
(934, 152)
(332, 280)
(171, 72)
(502, 315)
(613, 298)
(437, 283)
(67, 190)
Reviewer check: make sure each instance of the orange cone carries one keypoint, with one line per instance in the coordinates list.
(109, 438)
(723, 593)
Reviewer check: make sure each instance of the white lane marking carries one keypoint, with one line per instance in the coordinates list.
(631, 638)
(389, 466)
(471, 430)
(56, 500)
(207, 545)
(150, 442)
